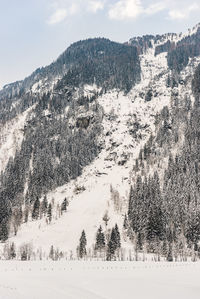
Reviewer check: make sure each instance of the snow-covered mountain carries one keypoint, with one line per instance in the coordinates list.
(77, 129)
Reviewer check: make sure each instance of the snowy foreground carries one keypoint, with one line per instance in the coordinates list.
(99, 280)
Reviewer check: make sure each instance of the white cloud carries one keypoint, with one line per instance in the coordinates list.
(58, 16)
(94, 6)
(131, 9)
(181, 14)
(65, 8)
(177, 15)
(155, 8)
(73, 9)
(122, 9)
(125, 9)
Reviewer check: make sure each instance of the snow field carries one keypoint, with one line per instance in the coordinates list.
(99, 280)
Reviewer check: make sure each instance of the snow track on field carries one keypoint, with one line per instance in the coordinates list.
(99, 280)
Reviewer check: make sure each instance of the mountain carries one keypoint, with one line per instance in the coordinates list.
(107, 134)
(94, 61)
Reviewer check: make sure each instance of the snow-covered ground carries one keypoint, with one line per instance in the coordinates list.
(99, 280)
(11, 136)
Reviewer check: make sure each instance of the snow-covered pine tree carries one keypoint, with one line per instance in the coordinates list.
(52, 253)
(12, 251)
(117, 236)
(64, 205)
(125, 224)
(111, 245)
(49, 212)
(106, 218)
(82, 245)
(100, 239)
(114, 243)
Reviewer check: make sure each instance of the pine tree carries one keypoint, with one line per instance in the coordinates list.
(117, 237)
(17, 218)
(136, 165)
(111, 245)
(145, 152)
(64, 205)
(170, 253)
(125, 224)
(24, 255)
(44, 206)
(52, 253)
(12, 251)
(168, 81)
(114, 242)
(82, 245)
(106, 218)
(100, 239)
(26, 214)
(4, 230)
(36, 209)
(49, 212)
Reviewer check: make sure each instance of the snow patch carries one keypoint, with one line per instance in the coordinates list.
(11, 136)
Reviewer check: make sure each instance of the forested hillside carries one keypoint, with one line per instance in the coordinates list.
(164, 213)
(63, 128)
(105, 143)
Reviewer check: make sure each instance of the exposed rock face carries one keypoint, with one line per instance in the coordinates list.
(83, 122)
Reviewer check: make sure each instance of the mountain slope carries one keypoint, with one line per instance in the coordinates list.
(82, 138)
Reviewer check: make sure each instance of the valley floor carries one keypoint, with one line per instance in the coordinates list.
(99, 280)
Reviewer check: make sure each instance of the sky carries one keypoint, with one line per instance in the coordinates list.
(34, 33)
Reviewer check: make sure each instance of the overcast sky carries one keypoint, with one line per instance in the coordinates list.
(34, 32)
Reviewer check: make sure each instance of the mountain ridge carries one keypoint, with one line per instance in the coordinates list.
(160, 38)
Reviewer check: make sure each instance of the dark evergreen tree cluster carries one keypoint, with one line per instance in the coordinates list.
(146, 209)
(106, 246)
(105, 63)
(166, 217)
(166, 47)
(57, 150)
(179, 55)
(143, 43)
